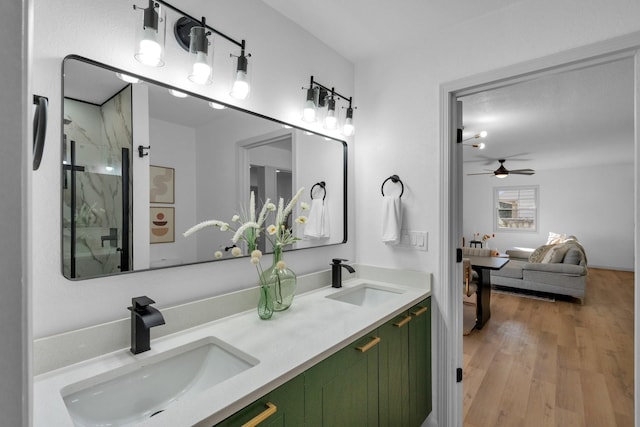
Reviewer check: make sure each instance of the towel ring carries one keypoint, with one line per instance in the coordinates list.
(395, 179)
(322, 185)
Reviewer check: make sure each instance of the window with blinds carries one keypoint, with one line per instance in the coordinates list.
(516, 208)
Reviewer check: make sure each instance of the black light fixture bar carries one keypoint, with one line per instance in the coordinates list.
(240, 44)
(332, 90)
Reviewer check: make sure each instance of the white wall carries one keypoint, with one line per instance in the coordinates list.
(166, 136)
(398, 116)
(398, 121)
(14, 328)
(283, 58)
(595, 204)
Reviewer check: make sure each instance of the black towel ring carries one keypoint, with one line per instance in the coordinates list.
(395, 179)
(322, 185)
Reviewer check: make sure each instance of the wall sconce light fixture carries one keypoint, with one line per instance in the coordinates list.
(150, 36)
(201, 61)
(193, 36)
(241, 86)
(478, 145)
(319, 95)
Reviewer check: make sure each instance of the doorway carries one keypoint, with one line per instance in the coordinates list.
(561, 134)
(449, 330)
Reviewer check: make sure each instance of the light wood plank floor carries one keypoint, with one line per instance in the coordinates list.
(540, 363)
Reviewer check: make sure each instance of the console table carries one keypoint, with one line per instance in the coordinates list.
(483, 266)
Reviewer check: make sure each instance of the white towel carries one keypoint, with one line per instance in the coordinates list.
(317, 226)
(391, 219)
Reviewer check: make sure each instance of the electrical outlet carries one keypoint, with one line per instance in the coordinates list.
(417, 240)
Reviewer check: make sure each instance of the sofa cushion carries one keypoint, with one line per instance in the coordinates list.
(573, 256)
(519, 253)
(559, 269)
(513, 270)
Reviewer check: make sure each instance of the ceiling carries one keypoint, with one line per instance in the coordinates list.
(578, 118)
(359, 29)
(571, 119)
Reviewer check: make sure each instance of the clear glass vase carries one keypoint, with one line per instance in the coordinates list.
(265, 305)
(281, 281)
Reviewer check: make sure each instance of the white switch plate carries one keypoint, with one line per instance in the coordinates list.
(416, 240)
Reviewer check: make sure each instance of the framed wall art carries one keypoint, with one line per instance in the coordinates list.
(161, 184)
(162, 224)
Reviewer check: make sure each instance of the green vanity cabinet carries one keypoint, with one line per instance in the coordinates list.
(342, 390)
(393, 371)
(404, 368)
(420, 376)
(381, 379)
(283, 407)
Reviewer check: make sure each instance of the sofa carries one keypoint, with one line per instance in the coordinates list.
(559, 267)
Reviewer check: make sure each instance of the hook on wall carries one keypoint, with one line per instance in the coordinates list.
(141, 150)
(395, 179)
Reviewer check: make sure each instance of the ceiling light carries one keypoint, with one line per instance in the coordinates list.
(150, 36)
(216, 106)
(127, 78)
(177, 93)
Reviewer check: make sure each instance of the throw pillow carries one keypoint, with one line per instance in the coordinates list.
(555, 238)
(539, 253)
(555, 254)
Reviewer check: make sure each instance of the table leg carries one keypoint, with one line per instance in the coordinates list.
(483, 304)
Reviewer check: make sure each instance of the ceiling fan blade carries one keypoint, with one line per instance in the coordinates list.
(523, 171)
(481, 173)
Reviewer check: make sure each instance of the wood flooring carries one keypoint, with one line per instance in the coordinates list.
(540, 363)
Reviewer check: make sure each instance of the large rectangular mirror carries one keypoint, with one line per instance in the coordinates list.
(140, 166)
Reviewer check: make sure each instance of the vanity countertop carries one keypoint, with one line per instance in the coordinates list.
(286, 345)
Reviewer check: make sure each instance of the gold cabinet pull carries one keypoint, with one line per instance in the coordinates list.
(420, 311)
(401, 323)
(271, 409)
(368, 346)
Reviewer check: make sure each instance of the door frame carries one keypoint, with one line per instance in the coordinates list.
(448, 330)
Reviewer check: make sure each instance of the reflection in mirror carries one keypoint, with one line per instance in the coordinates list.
(120, 214)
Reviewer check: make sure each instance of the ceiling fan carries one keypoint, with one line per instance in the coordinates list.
(503, 172)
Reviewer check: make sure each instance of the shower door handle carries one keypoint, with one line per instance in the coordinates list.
(39, 128)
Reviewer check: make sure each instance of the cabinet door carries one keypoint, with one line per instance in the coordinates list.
(420, 399)
(342, 390)
(393, 388)
(283, 407)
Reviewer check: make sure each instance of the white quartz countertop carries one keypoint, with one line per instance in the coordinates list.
(286, 345)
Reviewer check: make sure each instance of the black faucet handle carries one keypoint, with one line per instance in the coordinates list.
(141, 302)
(339, 260)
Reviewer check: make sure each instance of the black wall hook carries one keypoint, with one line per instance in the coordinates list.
(141, 150)
(395, 179)
(322, 185)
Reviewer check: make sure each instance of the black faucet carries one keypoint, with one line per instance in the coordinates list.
(336, 272)
(143, 318)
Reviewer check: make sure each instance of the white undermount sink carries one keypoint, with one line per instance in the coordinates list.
(128, 395)
(366, 294)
